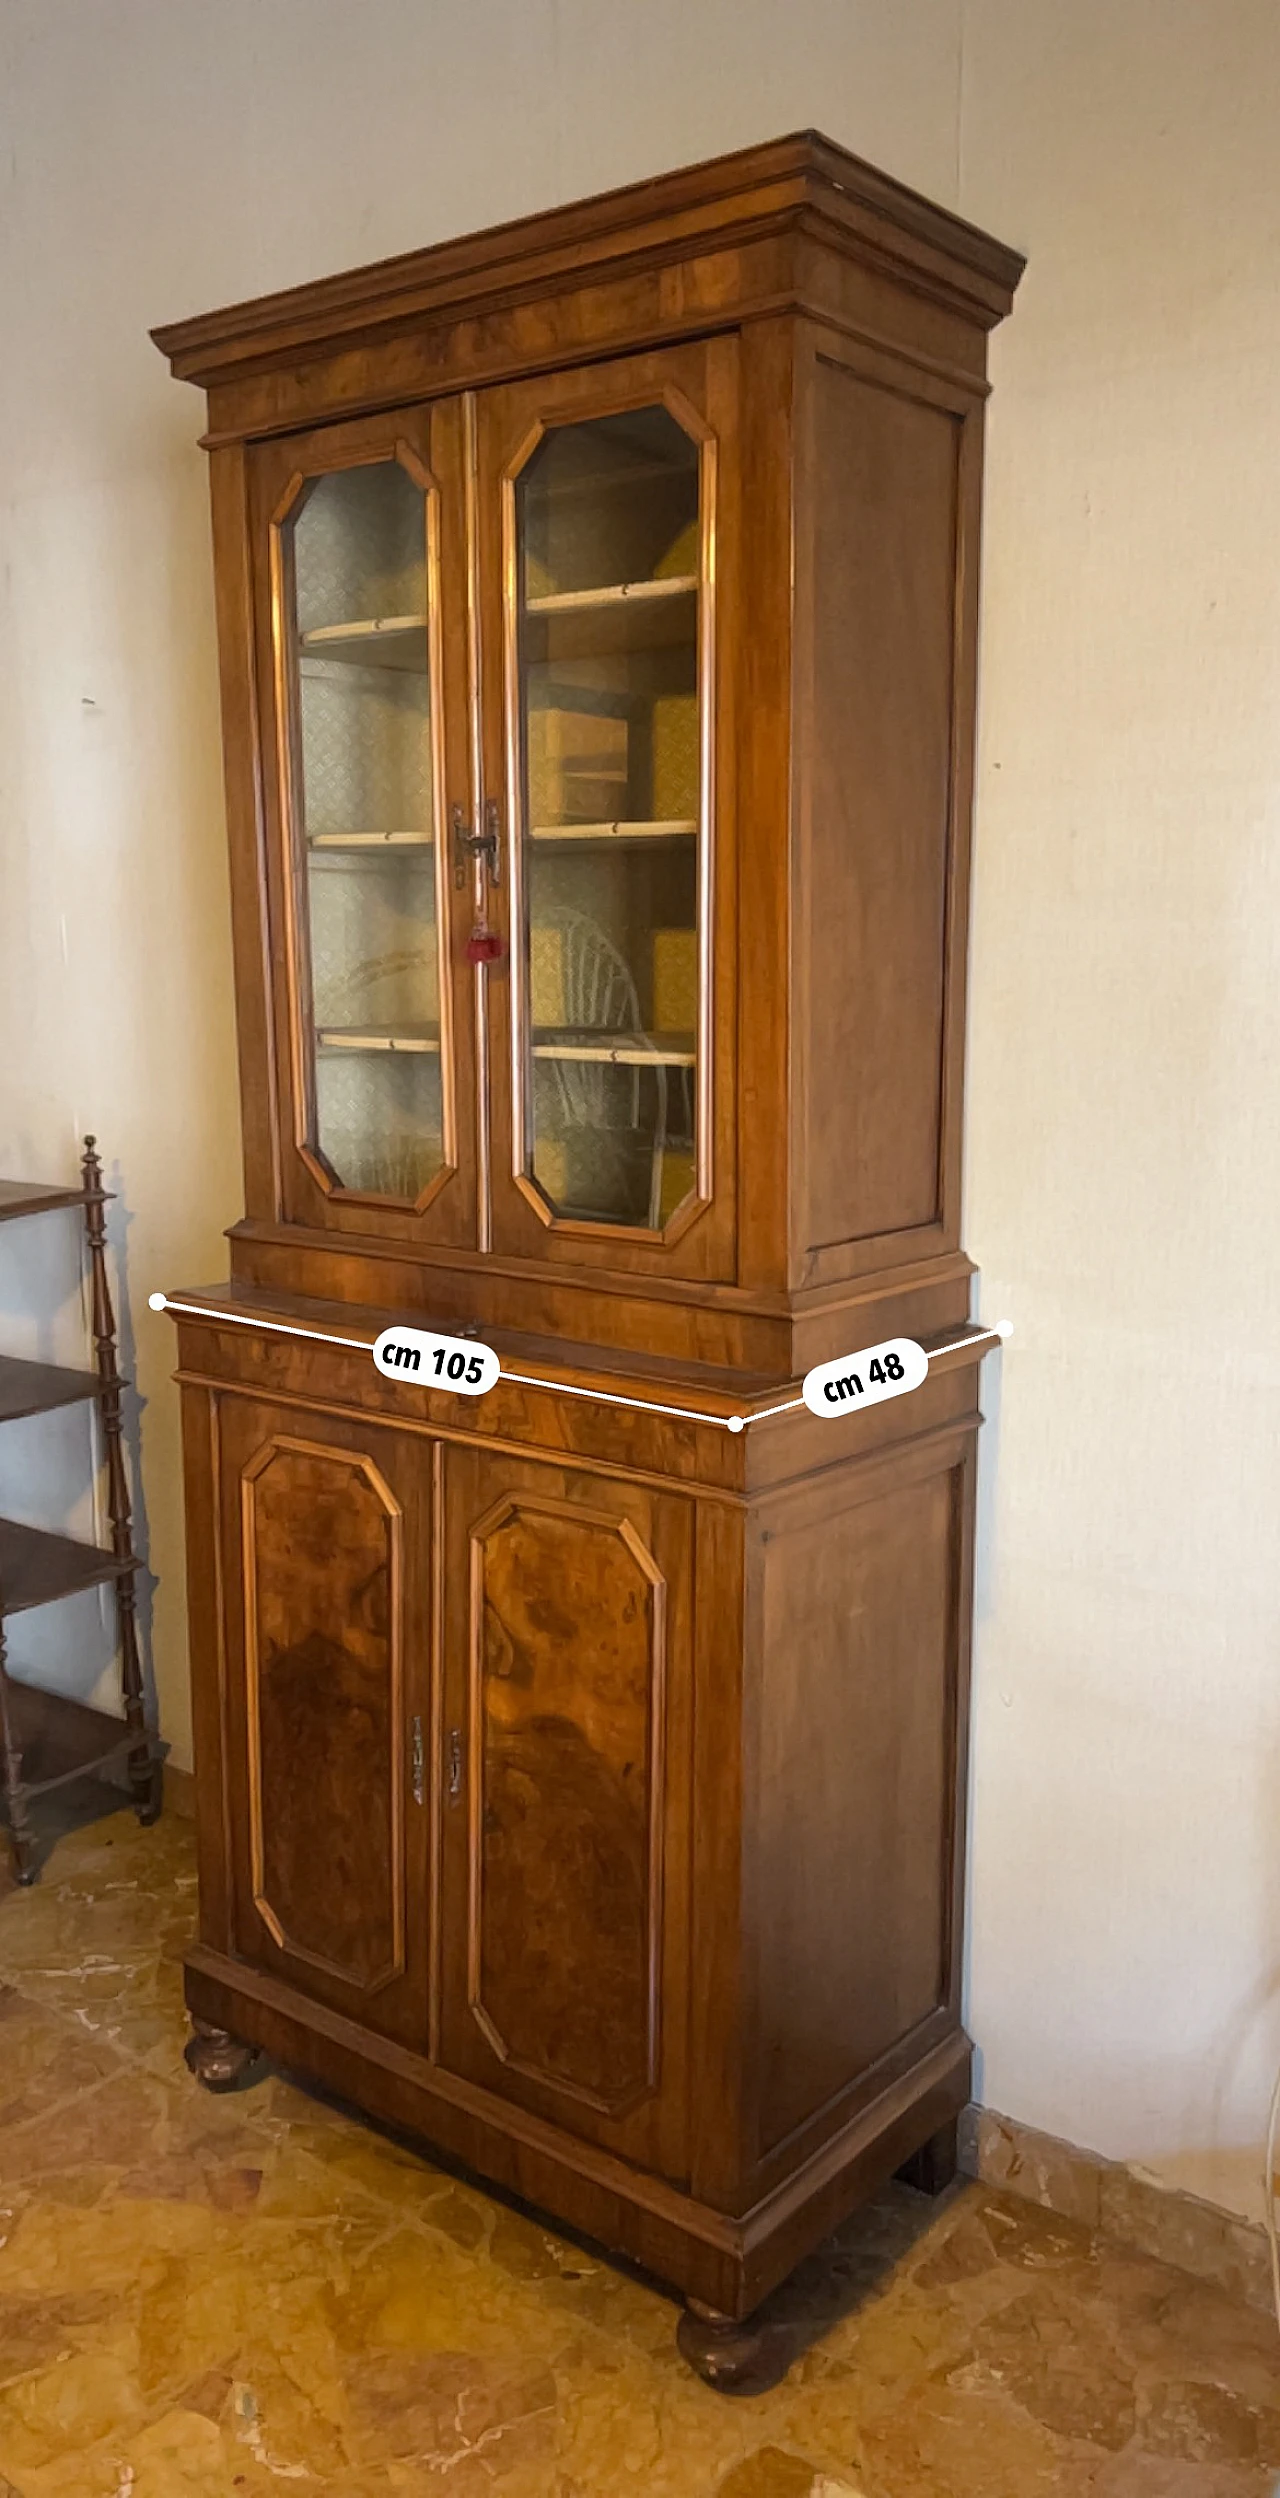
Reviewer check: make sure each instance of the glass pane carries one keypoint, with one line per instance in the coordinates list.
(608, 541)
(358, 562)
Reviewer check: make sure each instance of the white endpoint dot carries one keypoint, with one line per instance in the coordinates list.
(1004, 1327)
(737, 1422)
(156, 1301)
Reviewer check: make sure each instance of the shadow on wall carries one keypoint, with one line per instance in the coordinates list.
(51, 1465)
(991, 1382)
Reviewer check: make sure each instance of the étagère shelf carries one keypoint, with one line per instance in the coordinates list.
(581, 1783)
(46, 1739)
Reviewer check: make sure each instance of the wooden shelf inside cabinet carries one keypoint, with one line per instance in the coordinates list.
(618, 1049)
(370, 642)
(630, 616)
(47, 1740)
(369, 845)
(618, 836)
(612, 594)
(413, 1040)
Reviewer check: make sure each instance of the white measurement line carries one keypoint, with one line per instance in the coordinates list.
(638, 1404)
(355, 1344)
(1003, 1329)
(557, 1387)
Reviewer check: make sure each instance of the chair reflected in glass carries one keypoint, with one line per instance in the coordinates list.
(599, 1080)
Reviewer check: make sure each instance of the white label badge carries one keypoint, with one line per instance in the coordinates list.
(859, 1379)
(454, 1362)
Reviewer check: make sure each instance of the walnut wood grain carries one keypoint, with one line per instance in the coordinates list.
(582, 1785)
(801, 183)
(326, 1560)
(566, 1634)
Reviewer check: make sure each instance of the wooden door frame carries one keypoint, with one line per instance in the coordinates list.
(428, 442)
(699, 383)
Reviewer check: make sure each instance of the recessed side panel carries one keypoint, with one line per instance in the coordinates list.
(858, 1605)
(880, 607)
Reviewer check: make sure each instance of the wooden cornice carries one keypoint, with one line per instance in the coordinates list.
(805, 184)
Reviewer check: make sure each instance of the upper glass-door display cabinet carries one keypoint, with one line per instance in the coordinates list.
(356, 625)
(607, 570)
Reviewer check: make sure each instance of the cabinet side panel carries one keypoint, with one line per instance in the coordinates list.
(873, 850)
(861, 1650)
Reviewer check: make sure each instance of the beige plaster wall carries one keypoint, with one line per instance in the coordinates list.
(160, 156)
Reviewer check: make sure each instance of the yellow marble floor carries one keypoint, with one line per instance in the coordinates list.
(257, 2294)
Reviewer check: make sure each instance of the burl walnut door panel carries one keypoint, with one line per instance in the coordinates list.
(325, 1536)
(567, 1700)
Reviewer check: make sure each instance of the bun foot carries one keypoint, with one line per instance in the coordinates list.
(219, 2061)
(731, 2357)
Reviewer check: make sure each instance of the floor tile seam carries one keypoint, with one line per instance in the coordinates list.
(1182, 2274)
(112, 2449)
(1104, 2243)
(76, 2027)
(160, 2402)
(313, 2166)
(206, 2152)
(56, 2108)
(1154, 2379)
(70, 2017)
(89, 2090)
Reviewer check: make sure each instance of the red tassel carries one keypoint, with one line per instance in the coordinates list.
(484, 945)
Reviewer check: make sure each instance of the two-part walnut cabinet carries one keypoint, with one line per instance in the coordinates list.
(581, 1774)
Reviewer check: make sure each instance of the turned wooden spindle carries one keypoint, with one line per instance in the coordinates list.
(143, 1769)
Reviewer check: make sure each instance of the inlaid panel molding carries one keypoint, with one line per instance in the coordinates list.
(354, 1605)
(611, 1855)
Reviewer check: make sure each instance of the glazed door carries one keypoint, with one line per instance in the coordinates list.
(360, 561)
(566, 1814)
(325, 1536)
(607, 523)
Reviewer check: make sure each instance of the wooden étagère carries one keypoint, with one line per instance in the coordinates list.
(48, 1741)
(581, 1786)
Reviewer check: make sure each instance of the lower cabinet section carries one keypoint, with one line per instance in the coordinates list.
(464, 1763)
(633, 1885)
